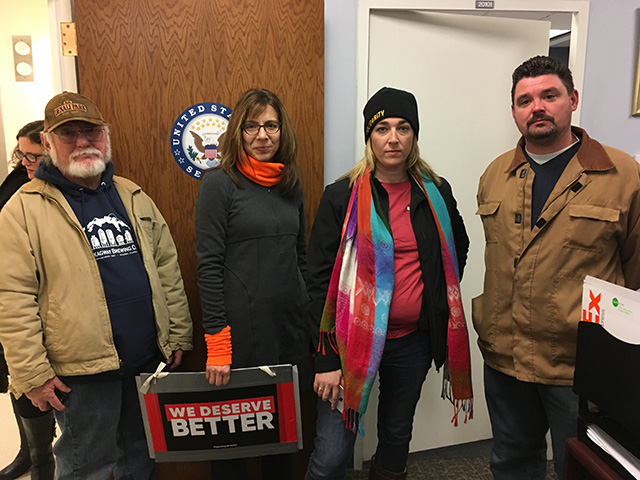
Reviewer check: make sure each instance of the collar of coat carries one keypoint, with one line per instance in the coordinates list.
(37, 185)
(591, 154)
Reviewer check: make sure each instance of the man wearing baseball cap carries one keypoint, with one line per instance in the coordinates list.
(91, 273)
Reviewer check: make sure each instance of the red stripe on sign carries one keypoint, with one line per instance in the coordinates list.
(287, 413)
(155, 422)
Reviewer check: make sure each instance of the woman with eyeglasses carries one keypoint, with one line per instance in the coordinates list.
(26, 157)
(36, 428)
(250, 244)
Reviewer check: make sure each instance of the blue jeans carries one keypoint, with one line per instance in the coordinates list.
(403, 369)
(521, 413)
(102, 433)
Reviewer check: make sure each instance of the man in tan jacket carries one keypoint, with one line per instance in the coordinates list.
(558, 207)
(90, 295)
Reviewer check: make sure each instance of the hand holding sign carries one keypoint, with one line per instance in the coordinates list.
(218, 374)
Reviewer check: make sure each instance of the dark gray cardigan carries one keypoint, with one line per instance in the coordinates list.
(251, 249)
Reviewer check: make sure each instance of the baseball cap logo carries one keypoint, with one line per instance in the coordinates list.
(68, 106)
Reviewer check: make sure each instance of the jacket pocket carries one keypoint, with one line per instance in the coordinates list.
(150, 228)
(488, 213)
(590, 226)
(482, 324)
(476, 311)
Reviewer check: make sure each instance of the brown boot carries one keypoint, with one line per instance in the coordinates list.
(379, 473)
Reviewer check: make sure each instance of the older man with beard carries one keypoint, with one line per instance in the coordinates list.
(91, 295)
(558, 207)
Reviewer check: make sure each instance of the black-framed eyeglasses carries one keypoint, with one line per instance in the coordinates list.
(70, 135)
(31, 157)
(251, 128)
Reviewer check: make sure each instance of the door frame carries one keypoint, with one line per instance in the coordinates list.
(579, 10)
(63, 68)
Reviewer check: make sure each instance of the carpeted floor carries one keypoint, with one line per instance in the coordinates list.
(468, 461)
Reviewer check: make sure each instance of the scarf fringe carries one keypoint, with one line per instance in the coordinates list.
(446, 387)
(464, 405)
(353, 421)
(330, 338)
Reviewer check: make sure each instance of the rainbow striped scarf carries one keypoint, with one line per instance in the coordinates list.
(354, 320)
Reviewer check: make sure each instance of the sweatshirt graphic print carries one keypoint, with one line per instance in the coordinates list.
(111, 236)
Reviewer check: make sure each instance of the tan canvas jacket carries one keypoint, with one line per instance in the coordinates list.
(528, 314)
(53, 311)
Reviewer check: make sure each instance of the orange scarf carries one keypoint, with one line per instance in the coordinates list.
(266, 174)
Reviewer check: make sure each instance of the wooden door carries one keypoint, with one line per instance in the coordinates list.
(144, 62)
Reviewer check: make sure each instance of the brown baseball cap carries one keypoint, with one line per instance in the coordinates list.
(68, 106)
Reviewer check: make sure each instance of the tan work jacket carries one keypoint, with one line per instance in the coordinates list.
(54, 318)
(528, 314)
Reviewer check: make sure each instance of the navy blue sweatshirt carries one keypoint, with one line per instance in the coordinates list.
(124, 278)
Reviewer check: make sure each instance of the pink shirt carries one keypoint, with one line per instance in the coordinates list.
(406, 302)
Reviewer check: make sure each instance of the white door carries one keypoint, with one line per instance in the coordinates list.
(459, 68)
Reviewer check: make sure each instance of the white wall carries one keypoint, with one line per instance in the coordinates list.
(341, 120)
(23, 102)
(610, 71)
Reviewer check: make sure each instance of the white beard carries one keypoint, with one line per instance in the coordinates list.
(85, 169)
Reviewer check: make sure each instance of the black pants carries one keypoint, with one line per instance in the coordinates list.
(25, 408)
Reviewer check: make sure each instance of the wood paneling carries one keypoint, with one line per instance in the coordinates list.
(144, 62)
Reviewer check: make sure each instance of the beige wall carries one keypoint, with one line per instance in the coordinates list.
(22, 102)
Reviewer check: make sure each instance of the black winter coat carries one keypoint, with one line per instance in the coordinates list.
(325, 241)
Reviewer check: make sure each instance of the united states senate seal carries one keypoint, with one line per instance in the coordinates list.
(194, 137)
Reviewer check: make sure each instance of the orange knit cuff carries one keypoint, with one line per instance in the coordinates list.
(219, 347)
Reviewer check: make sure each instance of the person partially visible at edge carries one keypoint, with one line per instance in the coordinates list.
(251, 249)
(25, 159)
(387, 245)
(36, 428)
(556, 208)
(91, 273)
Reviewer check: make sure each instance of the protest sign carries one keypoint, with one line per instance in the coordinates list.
(188, 419)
